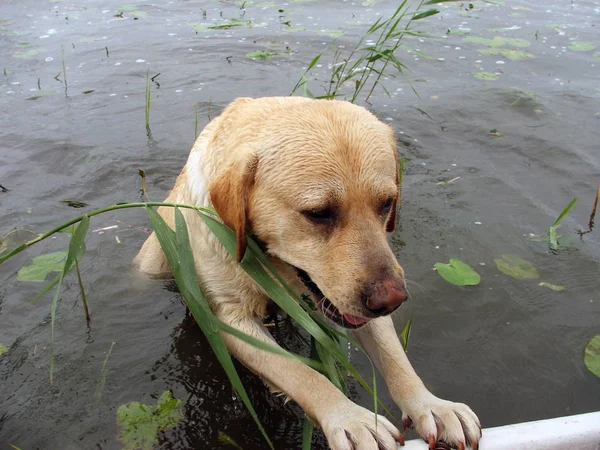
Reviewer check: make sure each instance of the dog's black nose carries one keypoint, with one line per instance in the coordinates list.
(384, 297)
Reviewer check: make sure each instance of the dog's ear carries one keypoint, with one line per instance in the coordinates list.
(391, 223)
(229, 194)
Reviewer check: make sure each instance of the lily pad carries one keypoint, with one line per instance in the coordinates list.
(516, 55)
(42, 266)
(498, 41)
(139, 423)
(516, 267)
(3, 349)
(478, 40)
(554, 287)
(458, 31)
(261, 55)
(592, 355)
(486, 76)
(26, 54)
(581, 46)
(458, 273)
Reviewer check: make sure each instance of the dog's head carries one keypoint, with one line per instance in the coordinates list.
(318, 184)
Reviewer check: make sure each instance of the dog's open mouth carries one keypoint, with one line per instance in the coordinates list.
(327, 308)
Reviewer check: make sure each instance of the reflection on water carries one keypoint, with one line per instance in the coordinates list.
(489, 165)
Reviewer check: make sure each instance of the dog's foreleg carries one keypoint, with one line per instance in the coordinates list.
(434, 418)
(344, 423)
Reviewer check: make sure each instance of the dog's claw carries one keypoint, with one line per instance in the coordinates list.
(407, 423)
(400, 440)
(431, 440)
(461, 446)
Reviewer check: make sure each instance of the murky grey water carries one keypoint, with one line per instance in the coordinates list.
(510, 348)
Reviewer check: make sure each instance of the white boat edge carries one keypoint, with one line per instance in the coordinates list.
(578, 432)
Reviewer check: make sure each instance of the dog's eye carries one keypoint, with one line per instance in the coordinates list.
(386, 206)
(325, 215)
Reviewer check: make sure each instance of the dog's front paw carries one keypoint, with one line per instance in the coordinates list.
(350, 427)
(440, 420)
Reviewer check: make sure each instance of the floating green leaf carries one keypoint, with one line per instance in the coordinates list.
(513, 55)
(486, 76)
(592, 355)
(262, 55)
(139, 423)
(516, 267)
(498, 41)
(42, 266)
(3, 349)
(458, 31)
(597, 55)
(26, 54)
(581, 46)
(458, 273)
(478, 40)
(554, 287)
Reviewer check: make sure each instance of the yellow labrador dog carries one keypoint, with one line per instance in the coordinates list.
(317, 182)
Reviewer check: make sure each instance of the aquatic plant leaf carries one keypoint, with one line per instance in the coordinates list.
(498, 41)
(458, 273)
(177, 249)
(515, 42)
(478, 40)
(554, 287)
(423, 14)
(26, 54)
(458, 31)
(405, 334)
(224, 438)
(516, 55)
(564, 212)
(581, 46)
(75, 253)
(262, 55)
(42, 266)
(3, 349)
(489, 51)
(139, 423)
(592, 355)
(552, 238)
(516, 267)
(597, 55)
(486, 76)
(41, 93)
(307, 433)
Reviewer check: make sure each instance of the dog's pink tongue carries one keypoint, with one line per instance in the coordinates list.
(355, 320)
